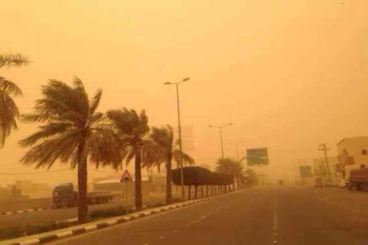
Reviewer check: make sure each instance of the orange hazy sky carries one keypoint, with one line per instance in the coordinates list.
(289, 74)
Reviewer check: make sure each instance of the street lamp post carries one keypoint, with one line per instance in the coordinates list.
(179, 128)
(236, 147)
(220, 129)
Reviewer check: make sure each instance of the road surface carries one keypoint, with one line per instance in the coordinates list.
(272, 215)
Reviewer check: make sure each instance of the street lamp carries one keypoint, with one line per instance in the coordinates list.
(179, 125)
(236, 146)
(220, 128)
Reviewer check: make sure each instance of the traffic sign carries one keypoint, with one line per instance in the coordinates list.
(126, 177)
(257, 156)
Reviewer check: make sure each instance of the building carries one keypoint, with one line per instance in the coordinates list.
(33, 190)
(115, 186)
(353, 154)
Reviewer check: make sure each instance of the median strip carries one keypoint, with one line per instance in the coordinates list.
(25, 211)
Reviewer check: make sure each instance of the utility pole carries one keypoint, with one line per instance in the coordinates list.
(222, 144)
(180, 139)
(220, 128)
(322, 147)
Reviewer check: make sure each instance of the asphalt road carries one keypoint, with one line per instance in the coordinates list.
(272, 215)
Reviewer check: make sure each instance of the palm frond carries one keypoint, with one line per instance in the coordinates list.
(8, 114)
(163, 136)
(9, 60)
(152, 154)
(105, 148)
(181, 157)
(130, 156)
(46, 153)
(9, 87)
(95, 101)
(45, 132)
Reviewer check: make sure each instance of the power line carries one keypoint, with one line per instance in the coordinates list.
(46, 172)
(55, 171)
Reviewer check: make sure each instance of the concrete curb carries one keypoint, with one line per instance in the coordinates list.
(108, 222)
(25, 211)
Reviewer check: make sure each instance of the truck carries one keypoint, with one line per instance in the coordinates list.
(64, 195)
(358, 179)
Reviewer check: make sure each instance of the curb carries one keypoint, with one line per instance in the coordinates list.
(25, 211)
(111, 222)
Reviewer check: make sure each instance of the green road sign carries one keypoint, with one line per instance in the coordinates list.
(257, 156)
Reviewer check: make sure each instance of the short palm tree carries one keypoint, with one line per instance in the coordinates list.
(164, 138)
(230, 166)
(132, 131)
(8, 109)
(72, 131)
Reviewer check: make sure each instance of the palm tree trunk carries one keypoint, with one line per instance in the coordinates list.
(82, 183)
(206, 190)
(202, 191)
(168, 179)
(195, 191)
(138, 180)
(189, 190)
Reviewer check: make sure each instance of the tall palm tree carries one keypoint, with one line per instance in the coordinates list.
(132, 131)
(9, 111)
(72, 131)
(164, 138)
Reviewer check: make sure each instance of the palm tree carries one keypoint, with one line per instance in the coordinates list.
(72, 131)
(9, 111)
(164, 138)
(230, 166)
(132, 131)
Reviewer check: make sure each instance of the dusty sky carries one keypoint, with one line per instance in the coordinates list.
(289, 74)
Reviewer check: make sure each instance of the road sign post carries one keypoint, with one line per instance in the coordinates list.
(126, 178)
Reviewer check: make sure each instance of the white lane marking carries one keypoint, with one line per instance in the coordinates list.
(275, 219)
(196, 221)
(275, 214)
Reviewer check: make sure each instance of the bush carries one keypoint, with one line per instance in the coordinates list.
(36, 229)
(15, 232)
(110, 212)
(11, 232)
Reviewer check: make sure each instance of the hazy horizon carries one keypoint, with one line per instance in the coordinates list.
(290, 75)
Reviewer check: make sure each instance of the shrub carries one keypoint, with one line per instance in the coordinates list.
(110, 212)
(29, 229)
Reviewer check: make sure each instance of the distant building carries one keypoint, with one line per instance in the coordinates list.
(116, 187)
(353, 154)
(33, 190)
